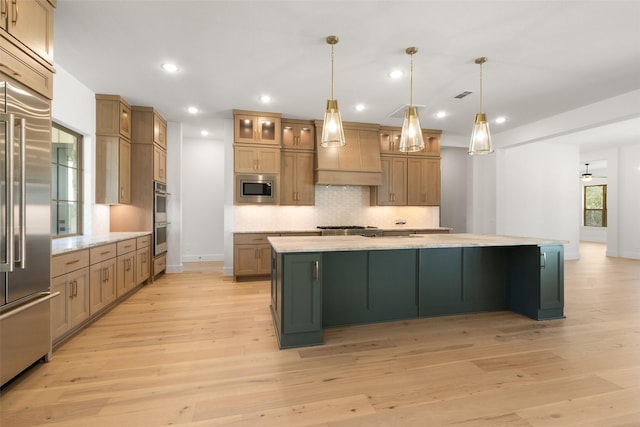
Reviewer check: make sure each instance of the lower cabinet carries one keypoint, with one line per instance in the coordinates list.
(103, 285)
(91, 280)
(71, 307)
(297, 311)
(159, 264)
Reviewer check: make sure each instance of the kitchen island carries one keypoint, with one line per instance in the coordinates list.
(319, 282)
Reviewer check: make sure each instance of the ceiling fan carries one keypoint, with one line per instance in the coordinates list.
(587, 176)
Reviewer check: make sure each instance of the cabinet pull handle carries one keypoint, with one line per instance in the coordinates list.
(544, 259)
(73, 262)
(14, 20)
(5, 7)
(317, 272)
(104, 253)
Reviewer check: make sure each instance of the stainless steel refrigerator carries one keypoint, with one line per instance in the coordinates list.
(25, 228)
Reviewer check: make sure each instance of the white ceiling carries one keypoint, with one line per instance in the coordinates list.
(544, 57)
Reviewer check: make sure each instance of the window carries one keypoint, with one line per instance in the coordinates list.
(595, 206)
(65, 182)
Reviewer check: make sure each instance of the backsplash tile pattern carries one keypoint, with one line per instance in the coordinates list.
(335, 205)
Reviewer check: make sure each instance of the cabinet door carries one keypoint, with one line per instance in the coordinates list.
(159, 164)
(302, 293)
(431, 145)
(103, 285)
(159, 131)
(423, 186)
(257, 129)
(246, 260)
(60, 316)
(268, 160)
(143, 268)
(126, 279)
(31, 22)
(296, 182)
(268, 130)
(393, 191)
(484, 275)
(253, 159)
(551, 277)
(124, 168)
(389, 140)
(79, 304)
(264, 259)
(346, 296)
(296, 135)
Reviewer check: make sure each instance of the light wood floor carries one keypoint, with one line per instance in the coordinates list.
(197, 349)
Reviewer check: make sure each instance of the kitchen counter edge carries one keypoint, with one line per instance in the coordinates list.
(356, 243)
(64, 245)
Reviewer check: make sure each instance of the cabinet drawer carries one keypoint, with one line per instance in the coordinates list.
(126, 246)
(19, 66)
(65, 263)
(253, 238)
(159, 264)
(143, 242)
(103, 252)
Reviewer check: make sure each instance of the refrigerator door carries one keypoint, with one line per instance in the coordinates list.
(31, 193)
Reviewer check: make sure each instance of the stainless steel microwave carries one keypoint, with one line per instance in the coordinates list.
(256, 188)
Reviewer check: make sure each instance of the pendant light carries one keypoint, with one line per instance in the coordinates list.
(332, 132)
(411, 137)
(480, 136)
(586, 177)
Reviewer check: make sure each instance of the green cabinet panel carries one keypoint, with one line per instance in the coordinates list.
(551, 296)
(441, 290)
(536, 281)
(296, 300)
(484, 275)
(393, 284)
(345, 288)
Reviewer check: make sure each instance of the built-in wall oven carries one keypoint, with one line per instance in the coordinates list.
(160, 222)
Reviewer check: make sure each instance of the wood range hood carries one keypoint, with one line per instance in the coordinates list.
(357, 163)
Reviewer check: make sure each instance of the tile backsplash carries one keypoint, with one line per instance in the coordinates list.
(335, 205)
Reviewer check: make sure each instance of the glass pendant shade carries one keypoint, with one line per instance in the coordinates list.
(411, 138)
(332, 132)
(586, 177)
(480, 136)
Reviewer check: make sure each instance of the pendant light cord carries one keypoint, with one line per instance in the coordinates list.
(481, 87)
(411, 83)
(332, 72)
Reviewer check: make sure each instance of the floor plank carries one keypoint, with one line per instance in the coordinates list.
(197, 349)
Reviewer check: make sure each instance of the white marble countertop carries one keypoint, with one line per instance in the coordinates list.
(317, 230)
(414, 241)
(74, 243)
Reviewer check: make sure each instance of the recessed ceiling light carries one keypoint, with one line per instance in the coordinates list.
(192, 110)
(500, 120)
(169, 67)
(265, 98)
(441, 114)
(204, 132)
(360, 107)
(396, 74)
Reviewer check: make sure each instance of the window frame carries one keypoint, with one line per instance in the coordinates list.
(79, 140)
(585, 210)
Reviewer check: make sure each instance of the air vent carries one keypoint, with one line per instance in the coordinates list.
(398, 113)
(463, 94)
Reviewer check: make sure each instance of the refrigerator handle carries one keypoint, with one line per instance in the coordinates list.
(9, 194)
(23, 194)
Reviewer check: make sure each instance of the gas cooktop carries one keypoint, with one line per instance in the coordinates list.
(343, 227)
(349, 230)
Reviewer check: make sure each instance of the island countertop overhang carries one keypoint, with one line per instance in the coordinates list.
(295, 244)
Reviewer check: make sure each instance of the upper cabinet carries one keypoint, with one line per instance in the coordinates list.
(113, 150)
(30, 23)
(298, 134)
(389, 139)
(150, 128)
(252, 127)
(113, 116)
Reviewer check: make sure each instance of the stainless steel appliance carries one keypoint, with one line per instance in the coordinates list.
(25, 228)
(255, 188)
(349, 230)
(160, 238)
(160, 202)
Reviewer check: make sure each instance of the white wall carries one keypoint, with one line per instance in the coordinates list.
(74, 106)
(538, 191)
(203, 200)
(174, 200)
(453, 171)
(629, 202)
(481, 194)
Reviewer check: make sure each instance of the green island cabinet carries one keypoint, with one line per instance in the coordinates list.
(312, 290)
